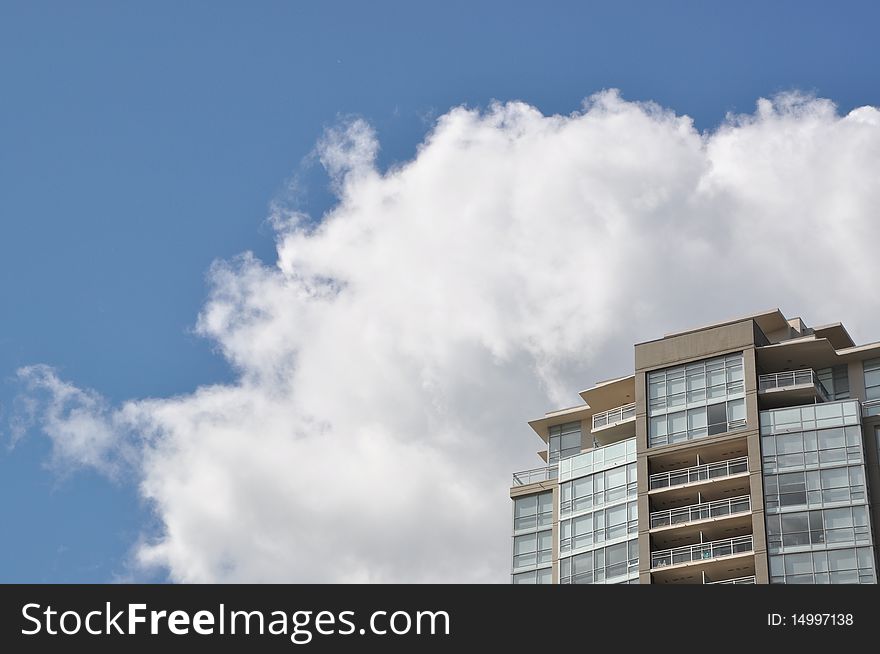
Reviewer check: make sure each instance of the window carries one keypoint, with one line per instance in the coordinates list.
(789, 446)
(838, 566)
(598, 459)
(812, 416)
(611, 564)
(815, 488)
(532, 511)
(804, 529)
(565, 441)
(542, 576)
(697, 400)
(599, 526)
(836, 381)
(872, 379)
(532, 549)
(596, 490)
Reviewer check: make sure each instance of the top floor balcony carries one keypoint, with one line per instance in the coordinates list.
(871, 408)
(618, 421)
(533, 476)
(792, 387)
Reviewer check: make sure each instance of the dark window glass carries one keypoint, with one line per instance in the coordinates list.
(717, 417)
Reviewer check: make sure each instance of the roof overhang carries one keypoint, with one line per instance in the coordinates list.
(810, 353)
(836, 334)
(610, 394)
(561, 417)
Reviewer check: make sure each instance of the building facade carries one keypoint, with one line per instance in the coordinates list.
(742, 452)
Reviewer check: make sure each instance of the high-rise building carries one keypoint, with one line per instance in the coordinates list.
(742, 452)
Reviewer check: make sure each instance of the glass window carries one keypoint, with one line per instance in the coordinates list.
(717, 414)
(658, 427)
(794, 522)
(677, 422)
(872, 379)
(835, 518)
(657, 386)
(545, 509)
(835, 381)
(524, 551)
(834, 477)
(789, 443)
(545, 546)
(799, 564)
(842, 560)
(532, 549)
(829, 446)
(565, 441)
(616, 515)
(532, 511)
(525, 511)
(615, 477)
(838, 566)
(685, 395)
(524, 578)
(832, 438)
(601, 565)
(736, 410)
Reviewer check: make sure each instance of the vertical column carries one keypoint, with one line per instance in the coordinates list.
(756, 479)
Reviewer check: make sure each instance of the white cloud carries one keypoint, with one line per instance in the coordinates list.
(389, 360)
(84, 430)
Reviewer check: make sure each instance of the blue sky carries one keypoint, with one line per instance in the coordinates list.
(140, 142)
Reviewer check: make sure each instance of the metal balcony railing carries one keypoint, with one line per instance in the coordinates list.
(614, 416)
(704, 511)
(703, 472)
(702, 551)
(738, 580)
(871, 408)
(789, 378)
(535, 475)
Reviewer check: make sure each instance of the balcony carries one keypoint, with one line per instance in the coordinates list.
(701, 512)
(525, 477)
(616, 421)
(739, 580)
(790, 388)
(699, 474)
(701, 552)
(871, 408)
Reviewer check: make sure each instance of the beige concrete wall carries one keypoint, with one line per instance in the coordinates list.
(691, 347)
(856, 374)
(756, 479)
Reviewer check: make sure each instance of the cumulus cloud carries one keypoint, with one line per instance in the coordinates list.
(388, 360)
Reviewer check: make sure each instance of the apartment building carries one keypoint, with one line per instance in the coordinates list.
(738, 453)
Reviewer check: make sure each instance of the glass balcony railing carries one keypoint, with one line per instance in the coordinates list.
(704, 511)
(704, 472)
(535, 475)
(702, 551)
(738, 580)
(614, 416)
(805, 377)
(871, 408)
